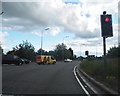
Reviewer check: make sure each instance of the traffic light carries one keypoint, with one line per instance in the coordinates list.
(106, 26)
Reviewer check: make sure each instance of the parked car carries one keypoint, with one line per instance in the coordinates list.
(67, 60)
(11, 59)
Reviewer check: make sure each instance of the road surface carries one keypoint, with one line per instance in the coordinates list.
(40, 79)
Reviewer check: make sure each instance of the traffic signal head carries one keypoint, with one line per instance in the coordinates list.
(106, 25)
(107, 19)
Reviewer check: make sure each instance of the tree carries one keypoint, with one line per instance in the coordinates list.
(61, 52)
(43, 52)
(12, 52)
(71, 53)
(52, 53)
(24, 50)
(1, 50)
(114, 52)
(74, 57)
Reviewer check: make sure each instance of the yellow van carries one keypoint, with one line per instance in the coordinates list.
(45, 59)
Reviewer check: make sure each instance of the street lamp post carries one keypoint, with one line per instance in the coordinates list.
(42, 38)
(0, 41)
(41, 41)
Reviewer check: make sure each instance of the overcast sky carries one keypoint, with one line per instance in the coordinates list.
(74, 22)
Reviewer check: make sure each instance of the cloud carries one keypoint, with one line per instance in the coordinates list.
(3, 36)
(31, 16)
(119, 11)
(54, 31)
(81, 45)
(83, 20)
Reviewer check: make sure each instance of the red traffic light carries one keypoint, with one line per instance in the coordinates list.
(106, 19)
(106, 25)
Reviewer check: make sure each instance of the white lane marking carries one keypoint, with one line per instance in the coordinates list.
(80, 83)
(89, 86)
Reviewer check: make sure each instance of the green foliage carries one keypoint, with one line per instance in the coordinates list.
(107, 74)
(41, 51)
(1, 50)
(114, 52)
(93, 67)
(71, 53)
(61, 52)
(24, 50)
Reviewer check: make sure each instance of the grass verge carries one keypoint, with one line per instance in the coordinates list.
(104, 73)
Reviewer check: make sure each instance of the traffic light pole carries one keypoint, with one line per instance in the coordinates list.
(104, 51)
(104, 42)
(104, 46)
(107, 31)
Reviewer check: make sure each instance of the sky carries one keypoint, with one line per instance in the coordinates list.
(76, 23)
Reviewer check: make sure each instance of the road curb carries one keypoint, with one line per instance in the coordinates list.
(100, 85)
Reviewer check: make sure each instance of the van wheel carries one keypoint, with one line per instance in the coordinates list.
(38, 63)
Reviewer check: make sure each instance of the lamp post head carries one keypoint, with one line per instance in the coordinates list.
(47, 28)
(1, 13)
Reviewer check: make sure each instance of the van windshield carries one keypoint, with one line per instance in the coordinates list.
(52, 58)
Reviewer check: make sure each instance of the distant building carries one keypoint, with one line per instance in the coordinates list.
(91, 57)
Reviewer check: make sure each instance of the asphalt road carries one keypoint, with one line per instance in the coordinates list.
(40, 79)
